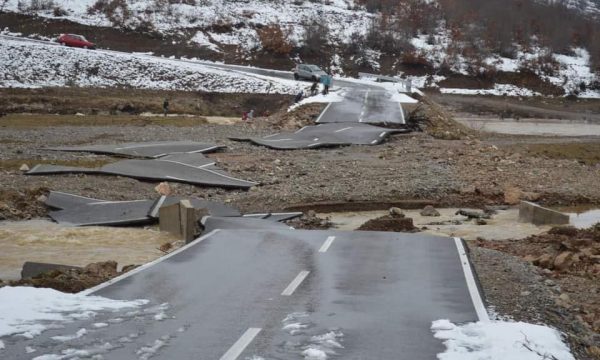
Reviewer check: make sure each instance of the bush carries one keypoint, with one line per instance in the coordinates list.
(58, 11)
(38, 5)
(116, 11)
(274, 39)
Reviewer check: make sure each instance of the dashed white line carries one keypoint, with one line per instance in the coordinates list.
(236, 349)
(327, 244)
(289, 290)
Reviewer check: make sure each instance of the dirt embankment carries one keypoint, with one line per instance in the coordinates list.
(114, 101)
(567, 261)
(437, 122)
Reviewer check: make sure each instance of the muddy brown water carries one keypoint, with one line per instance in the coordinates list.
(543, 127)
(45, 241)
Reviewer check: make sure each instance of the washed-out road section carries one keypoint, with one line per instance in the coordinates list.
(276, 294)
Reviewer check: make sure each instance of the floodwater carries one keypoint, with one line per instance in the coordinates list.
(584, 219)
(45, 241)
(543, 127)
(504, 225)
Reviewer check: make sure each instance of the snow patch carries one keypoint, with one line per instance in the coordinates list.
(77, 335)
(28, 311)
(314, 354)
(499, 340)
(319, 98)
(498, 90)
(100, 325)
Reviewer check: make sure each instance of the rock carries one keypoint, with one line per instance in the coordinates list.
(544, 261)
(513, 195)
(564, 297)
(389, 223)
(163, 188)
(42, 198)
(105, 269)
(525, 293)
(473, 214)
(480, 222)
(24, 168)
(396, 212)
(549, 282)
(563, 260)
(127, 268)
(429, 211)
(563, 230)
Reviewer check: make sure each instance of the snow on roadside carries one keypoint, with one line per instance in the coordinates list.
(26, 64)
(498, 90)
(27, 311)
(499, 340)
(319, 98)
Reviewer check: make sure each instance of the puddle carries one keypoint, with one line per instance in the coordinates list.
(45, 241)
(504, 225)
(543, 127)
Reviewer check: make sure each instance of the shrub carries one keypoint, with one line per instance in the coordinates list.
(58, 11)
(274, 39)
(116, 11)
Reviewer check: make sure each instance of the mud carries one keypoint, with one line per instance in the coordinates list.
(47, 242)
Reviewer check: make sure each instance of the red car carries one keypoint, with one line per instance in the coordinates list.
(75, 41)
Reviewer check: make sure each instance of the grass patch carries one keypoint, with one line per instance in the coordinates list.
(15, 164)
(43, 120)
(586, 153)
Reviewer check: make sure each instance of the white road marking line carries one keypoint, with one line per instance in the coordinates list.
(344, 129)
(184, 164)
(402, 113)
(382, 134)
(156, 208)
(301, 129)
(374, 142)
(315, 144)
(295, 283)
(327, 244)
(323, 113)
(147, 265)
(236, 349)
(268, 136)
(471, 284)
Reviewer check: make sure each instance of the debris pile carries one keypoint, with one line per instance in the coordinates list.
(437, 122)
(75, 280)
(396, 221)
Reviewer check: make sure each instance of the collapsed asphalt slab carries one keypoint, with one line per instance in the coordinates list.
(192, 169)
(326, 135)
(211, 223)
(242, 294)
(75, 210)
(144, 149)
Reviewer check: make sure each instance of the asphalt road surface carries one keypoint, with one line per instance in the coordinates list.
(364, 106)
(281, 294)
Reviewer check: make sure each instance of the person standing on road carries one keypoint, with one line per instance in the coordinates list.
(165, 106)
(314, 88)
(327, 79)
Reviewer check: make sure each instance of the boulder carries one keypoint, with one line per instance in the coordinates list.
(105, 269)
(24, 168)
(563, 260)
(396, 212)
(429, 211)
(163, 189)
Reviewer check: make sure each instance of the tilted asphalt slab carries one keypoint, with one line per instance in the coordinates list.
(364, 106)
(326, 135)
(273, 294)
(144, 149)
(78, 210)
(185, 168)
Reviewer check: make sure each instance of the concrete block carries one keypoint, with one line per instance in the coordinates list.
(180, 219)
(533, 213)
(169, 219)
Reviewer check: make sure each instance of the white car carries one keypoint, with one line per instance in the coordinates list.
(309, 72)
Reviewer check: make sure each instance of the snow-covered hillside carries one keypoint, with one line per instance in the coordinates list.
(217, 25)
(33, 64)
